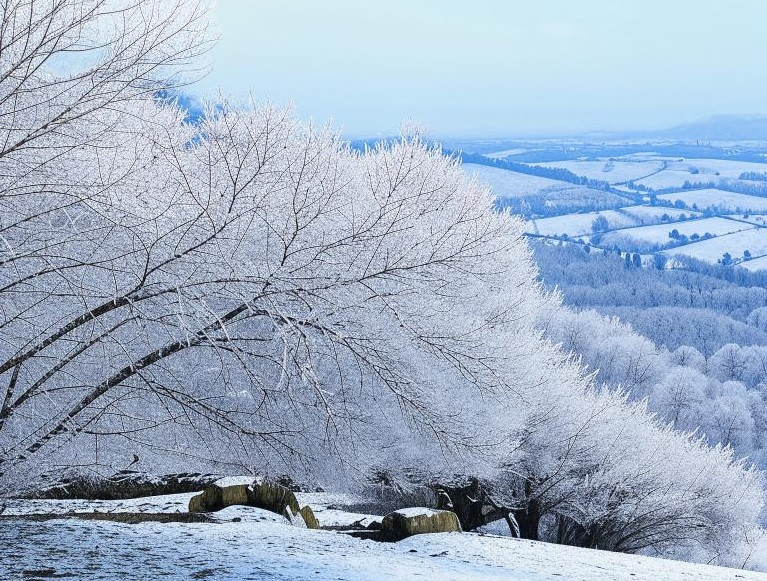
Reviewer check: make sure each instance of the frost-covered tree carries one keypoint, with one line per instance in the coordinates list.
(728, 419)
(692, 394)
(65, 61)
(758, 318)
(681, 398)
(73, 76)
(728, 363)
(686, 356)
(251, 292)
(610, 348)
(254, 280)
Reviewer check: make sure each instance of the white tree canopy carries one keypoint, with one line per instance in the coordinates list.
(250, 292)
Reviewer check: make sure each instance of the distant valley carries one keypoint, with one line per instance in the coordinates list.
(658, 200)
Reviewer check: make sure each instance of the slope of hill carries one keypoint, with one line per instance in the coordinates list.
(261, 545)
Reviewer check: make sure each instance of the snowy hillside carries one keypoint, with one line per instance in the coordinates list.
(654, 188)
(264, 546)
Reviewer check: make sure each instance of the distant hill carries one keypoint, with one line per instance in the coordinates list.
(715, 128)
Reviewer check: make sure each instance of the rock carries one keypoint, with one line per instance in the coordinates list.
(288, 483)
(274, 497)
(407, 522)
(304, 518)
(294, 518)
(371, 524)
(209, 500)
(215, 498)
(235, 495)
(308, 515)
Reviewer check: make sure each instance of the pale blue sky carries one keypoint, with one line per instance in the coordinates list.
(494, 67)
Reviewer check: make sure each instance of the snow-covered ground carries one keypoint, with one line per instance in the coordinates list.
(507, 185)
(580, 224)
(699, 170)
(659, 233)
(730, 201)
(725, 168)
(511, 184)
(264, 546)
(760, 219)
(755, 264)
(711, 250)
(612, 171)
(628, 217)
(674, 178)
(652, 214)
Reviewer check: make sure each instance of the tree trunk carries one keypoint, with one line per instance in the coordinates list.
(529, 519)
(474, 506)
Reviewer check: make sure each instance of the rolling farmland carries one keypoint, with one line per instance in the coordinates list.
(709, 197)
(659, 233)
(753, 240)
(707, 223)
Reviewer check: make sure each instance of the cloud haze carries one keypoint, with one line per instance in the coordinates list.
(493, 67)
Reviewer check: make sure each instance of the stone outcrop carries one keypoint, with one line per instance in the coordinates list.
(274, 497)
(234, 495)
(268, 496)
(407, 522)
(310, 520)
(209, 500)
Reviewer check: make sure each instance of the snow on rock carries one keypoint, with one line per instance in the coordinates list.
(269, 496)
(417, 511)
(234, 481)
(335, 518)
(249, 514)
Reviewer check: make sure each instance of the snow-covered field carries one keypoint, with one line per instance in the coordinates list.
(264, 546)
(504, 153)
(725, 168)
(675, 178)
(755, 264)
(579, 224)
(659, 233)
(652, 214)
(760, 219)
(629, 217)
(730, 201)
(699, 170)
(511, 184)
(507, 184)
(647, 224)
(612, 171)
(755, 241)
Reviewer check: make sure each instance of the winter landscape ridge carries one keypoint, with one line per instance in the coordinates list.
(278, 550)
(239, 344)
